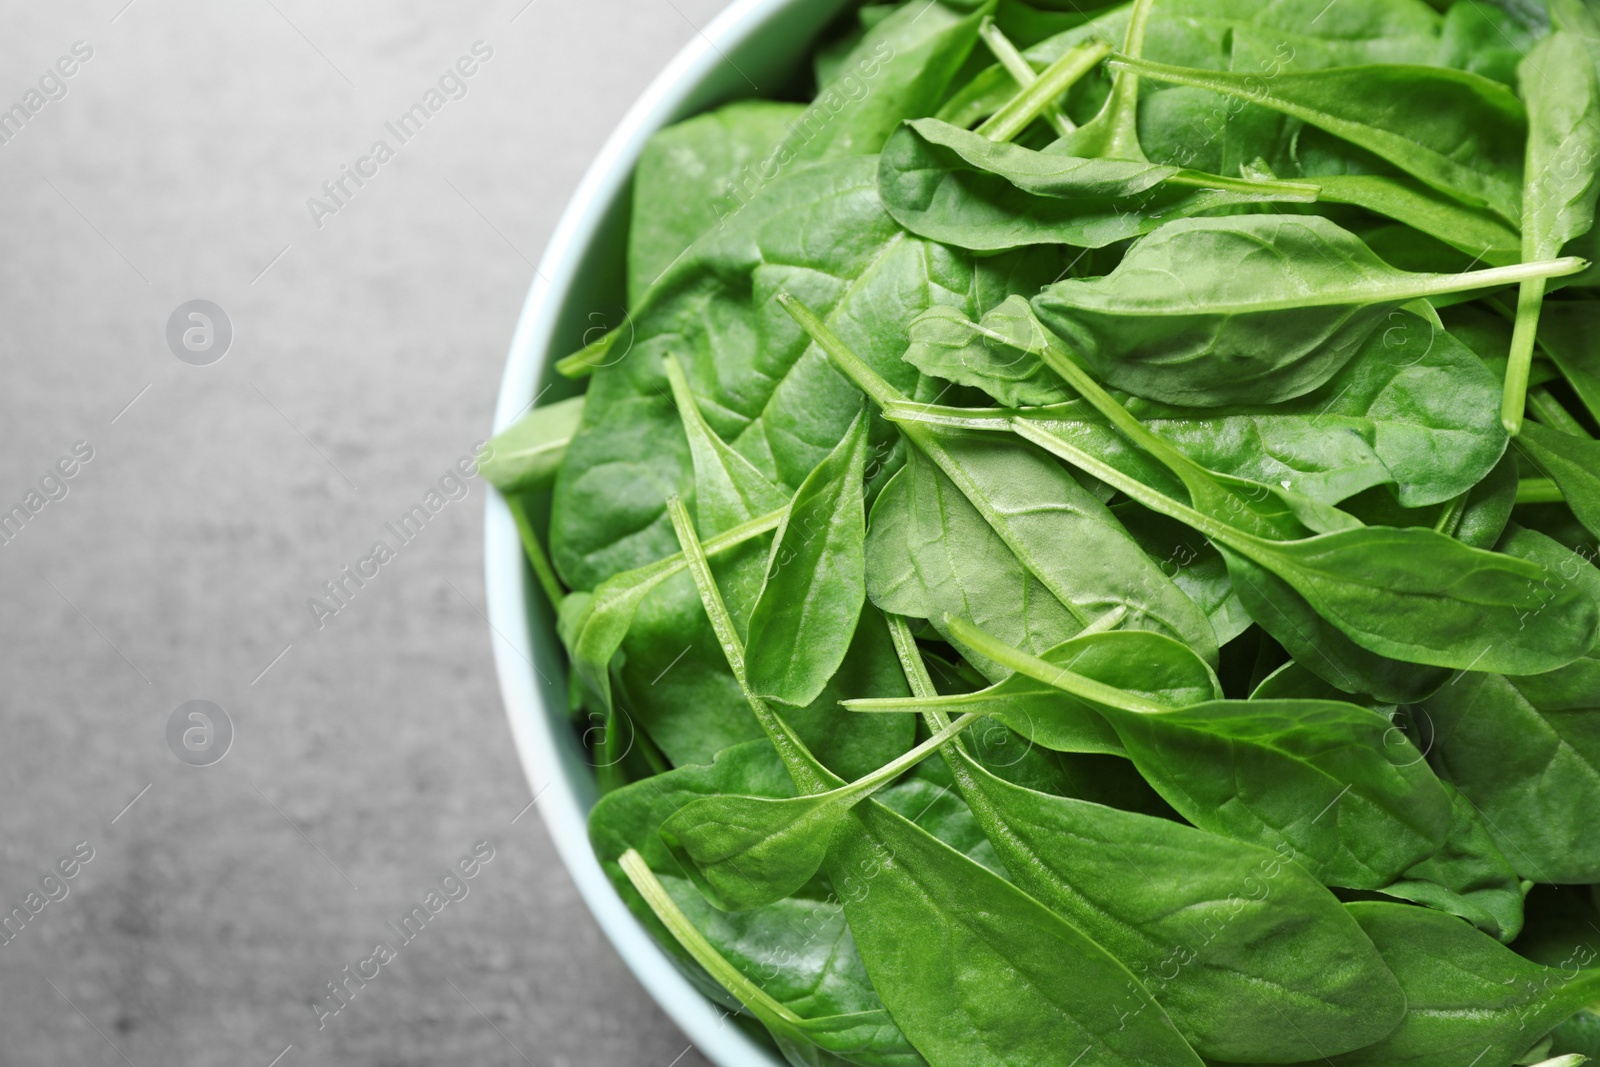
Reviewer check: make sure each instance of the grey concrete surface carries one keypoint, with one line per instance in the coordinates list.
(371, 754)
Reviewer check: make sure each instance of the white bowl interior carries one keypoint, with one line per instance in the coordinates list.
(581, 273)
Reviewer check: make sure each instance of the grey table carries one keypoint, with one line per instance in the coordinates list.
(178, 162)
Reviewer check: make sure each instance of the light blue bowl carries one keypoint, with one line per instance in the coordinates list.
(580, 274)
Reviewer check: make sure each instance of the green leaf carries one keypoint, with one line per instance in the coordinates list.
(1251, 957)
(1478, 233)
(901, 69)
(776, 400)
(946, 184)
(1468, 995)
(744, 851)
(1567, 332)
(729, 490)
(1411, 594)
(1319, 645)
(1526, 750)
(1251, 309)
(1413, 408)
(1329, 778)
(1005, 983)
(963, 983)
(524, 456)
(1042, 515)
(694, 174)
(892, 581)
(803, 622)
(799, 951)
(1572, 462)
(1151, 667)
(1469, 876)
(998, 356)
(1559, 82)
(1470, 147)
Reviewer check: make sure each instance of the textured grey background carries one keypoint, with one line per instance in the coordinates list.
(364, 363)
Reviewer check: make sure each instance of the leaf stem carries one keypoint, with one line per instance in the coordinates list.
(694, 942)
(1550, 412)
(808, 773)
(1021, 71)
(1539, 491)
(1057, 78)
(534, 549)
(1529, 300)
(1080, 686)
(1289, 192)
(854, 367)
(590, 358)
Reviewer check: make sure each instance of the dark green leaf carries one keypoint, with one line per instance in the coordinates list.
(1469, 997)
(1470, 147)
(1251, 309)
(803, 622)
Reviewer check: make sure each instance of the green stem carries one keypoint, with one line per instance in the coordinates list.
(590, 358)
(1450, 515)
(1523, 334)
(1057, 78)
(809, 775)
(537, 559)
(1021, 71)
(694, 942)
(1123, 140)
(1039, 670)
(1552, 414)
(1291, 192)
(915, 670)
(944, 732)
(867, 380)
(1539, 491)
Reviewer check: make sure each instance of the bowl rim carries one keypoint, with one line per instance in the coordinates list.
(508, 588)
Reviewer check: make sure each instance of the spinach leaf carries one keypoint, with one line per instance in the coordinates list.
(594, 626)
(1572, 462)
(1062, 536)
(1471, 147)
(1319, 645)
(1558, 80)
(746, 851)
(1478, 233)
(892, 581)
(901, 69)
(946, 184)
(694, 174)
(1469, 876)
(1254, 309)
(963, 983)
(1568, 332)
(1526, 750)
(863, 1037)
(1264, 962)
(524, 456)
(1468, 996)
(802, 625)
(1411, 594)
(1327, 777)
(1143, 664)
(799, 951)
(1410, 409)
(729, 490)
(820, 231)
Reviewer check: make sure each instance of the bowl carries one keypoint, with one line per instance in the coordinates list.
(580, 275)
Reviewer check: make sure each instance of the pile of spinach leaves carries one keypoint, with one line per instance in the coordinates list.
(1082, 549)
